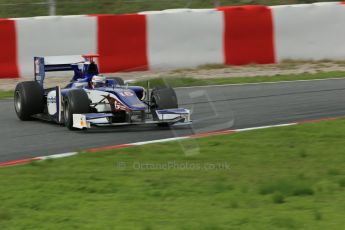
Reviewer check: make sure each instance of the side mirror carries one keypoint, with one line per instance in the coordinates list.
(110, 82)
(129, 81)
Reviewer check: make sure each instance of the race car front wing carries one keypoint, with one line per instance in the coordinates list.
(177, 116)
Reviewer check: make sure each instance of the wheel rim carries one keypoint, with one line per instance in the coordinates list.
(17, 102)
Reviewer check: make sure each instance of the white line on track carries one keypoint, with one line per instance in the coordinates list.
(56, 156)
(160, 140)
(265, 127)
(259, 83)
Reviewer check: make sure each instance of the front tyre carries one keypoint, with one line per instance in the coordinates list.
(163, 98)
(76, 102)
(28, 99)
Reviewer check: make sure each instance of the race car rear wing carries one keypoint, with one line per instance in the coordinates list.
(54, 63)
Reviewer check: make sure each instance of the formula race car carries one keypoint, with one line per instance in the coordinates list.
(93, 99)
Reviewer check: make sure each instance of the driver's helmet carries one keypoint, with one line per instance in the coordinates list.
(98, 81)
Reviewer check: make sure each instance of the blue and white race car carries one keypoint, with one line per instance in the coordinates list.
(93, 99)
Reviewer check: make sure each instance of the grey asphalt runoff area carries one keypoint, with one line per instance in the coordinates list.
(214, 108)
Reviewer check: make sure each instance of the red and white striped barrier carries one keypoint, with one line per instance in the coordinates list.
(178, 38)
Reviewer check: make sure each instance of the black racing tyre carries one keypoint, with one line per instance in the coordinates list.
(118, 80)
(75, 102)
(28, 99)
(164, 98)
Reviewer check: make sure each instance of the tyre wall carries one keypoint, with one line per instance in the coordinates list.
(179, 38)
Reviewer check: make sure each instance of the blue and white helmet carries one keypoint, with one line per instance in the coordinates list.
(98, 81)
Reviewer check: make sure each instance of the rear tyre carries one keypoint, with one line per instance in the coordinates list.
(163, 98)
(75, 102)
(28, 99)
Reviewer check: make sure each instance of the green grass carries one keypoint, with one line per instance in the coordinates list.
(6, 94)
(189, 81)
(281, 178)
(27, 8)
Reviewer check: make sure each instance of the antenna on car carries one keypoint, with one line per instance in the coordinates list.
(148, 94)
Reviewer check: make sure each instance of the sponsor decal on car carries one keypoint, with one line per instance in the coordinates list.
(119, 106)
(37, 66)
(126, 94)
(51, 100)
(115, 104)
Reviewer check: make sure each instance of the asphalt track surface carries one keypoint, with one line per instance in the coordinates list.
(214, 108)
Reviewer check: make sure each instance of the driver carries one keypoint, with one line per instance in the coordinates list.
(98, 81)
